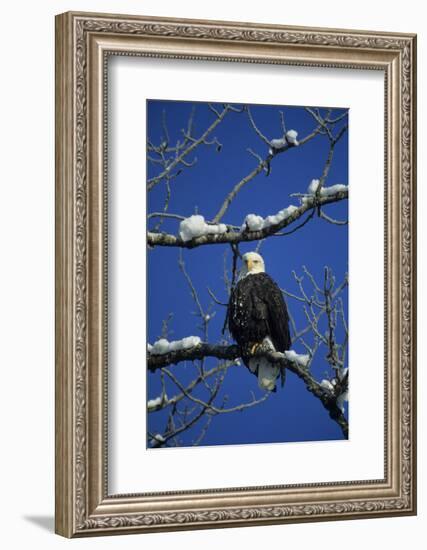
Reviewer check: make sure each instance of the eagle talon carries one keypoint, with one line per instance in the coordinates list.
(255, 348)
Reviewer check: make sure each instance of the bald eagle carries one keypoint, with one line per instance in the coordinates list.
(258, 320)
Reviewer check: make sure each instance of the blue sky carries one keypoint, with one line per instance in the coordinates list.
(292, 413)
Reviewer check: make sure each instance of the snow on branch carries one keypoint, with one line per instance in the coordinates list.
(156, 403)
(156, 440)
(288, 140)
(235, 237)
(255, 223)
(301, 360)
(157, 361)
(315, 189)
(338, 387)
(195, 226)
(163, 346)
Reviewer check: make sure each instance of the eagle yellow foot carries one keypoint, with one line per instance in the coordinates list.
(255, 348)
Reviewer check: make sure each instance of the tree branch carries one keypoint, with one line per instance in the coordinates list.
(199, 352)
(233, 352)
(231, 237)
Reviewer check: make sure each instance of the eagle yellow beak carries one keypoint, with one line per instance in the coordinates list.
(249, 264)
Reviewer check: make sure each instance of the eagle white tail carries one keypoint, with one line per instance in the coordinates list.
(267, 372)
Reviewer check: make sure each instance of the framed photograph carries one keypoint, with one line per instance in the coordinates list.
(235, 274)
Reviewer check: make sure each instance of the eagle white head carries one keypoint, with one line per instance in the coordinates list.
(252, 263)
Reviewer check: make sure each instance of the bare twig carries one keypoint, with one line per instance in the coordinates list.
(282, 122)
(215, 299)
(165, 215)
(255, 127)
(194, 143)
(188, 424)
(211, 407)
(332, 220)
(200, 377)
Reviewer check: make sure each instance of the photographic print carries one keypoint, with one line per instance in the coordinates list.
(247, 274)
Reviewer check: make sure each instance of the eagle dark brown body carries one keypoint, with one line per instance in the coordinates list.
(257, 311)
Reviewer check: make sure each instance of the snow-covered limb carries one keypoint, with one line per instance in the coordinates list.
(196, 226)
(233, 352)
(235, 237)
(291, 137)
(332, 387)
(154, 404)
(324, 191)
(255, 223)
(156, 361)
(163, 346)
(276, 145)
(333, 190)
(312, 188)
(342, 373)
(327, 384)
(338, 387)
(288, 140)
(341, 399)
(157, 440)
(301, 360)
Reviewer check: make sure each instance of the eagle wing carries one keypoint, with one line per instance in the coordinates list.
(269, 308)
(256, 310)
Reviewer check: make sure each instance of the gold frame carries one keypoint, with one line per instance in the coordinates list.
(83, 42)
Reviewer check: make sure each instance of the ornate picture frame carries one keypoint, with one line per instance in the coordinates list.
(84, 42)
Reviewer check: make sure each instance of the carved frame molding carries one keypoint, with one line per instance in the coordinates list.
(83, 43)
